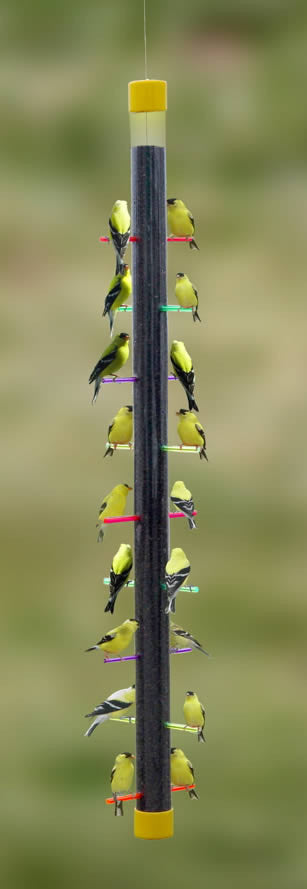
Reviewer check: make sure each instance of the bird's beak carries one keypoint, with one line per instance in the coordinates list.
(127, 337)
(177, 413)
(129, 489)
(132, 756)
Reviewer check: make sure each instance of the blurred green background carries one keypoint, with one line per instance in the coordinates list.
(237, 140)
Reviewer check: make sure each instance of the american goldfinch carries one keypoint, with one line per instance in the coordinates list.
(177, 570)
(119, 292)
(178, 636)
(113, 357)
(119, 223)
(180, 220)
(119, 573)
(183, 369)
(118, 639)
(182, 499)
(186, 294)
(116, 702)
(114, 504)
(191, 431)
(182, 771)
(194, 713)
(121, 778)
(120, 429)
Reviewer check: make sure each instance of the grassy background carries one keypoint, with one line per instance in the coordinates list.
(237, 143)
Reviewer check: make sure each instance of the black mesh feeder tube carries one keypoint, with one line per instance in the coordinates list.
(153, 817)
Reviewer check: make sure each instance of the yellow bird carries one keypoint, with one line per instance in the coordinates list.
(191, 431)
(119, 223)
(117, 701)
(194, 713)
(180, 637)
(112, 359)
(119, 291)
(118, 639)
(120, 429)
(182, 771)
(186, 294)
(119, 573)
(184, 371)
(182, 499)
(180, 220)
(114, 504)
(121, 778)
(177, 570)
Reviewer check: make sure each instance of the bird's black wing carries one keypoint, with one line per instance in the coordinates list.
(111, 297)
(107, 638)
(112, 773)
(201, 432)
(186, 506)
(120, 240)
(194, 288)
(174, 581)
(187, 379)
(103, 506)
(191, 767)
(102, 364)
(110, 429)
(108, 707)
(118, 580)
(191, 218)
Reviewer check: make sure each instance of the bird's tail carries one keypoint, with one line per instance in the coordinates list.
(119, 264)
(192, 524)
(172, 605)
(110, 604)
(192, 794)
(100, 534)
(195, 314)
(203, 454)
(111, 320)
(110, 450)
(192, 403)
(168, 607)
(193, 245)
(96, 390)
(201, 736)
(118, 805)
(92, 727)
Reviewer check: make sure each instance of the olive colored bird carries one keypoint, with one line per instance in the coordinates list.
(120, 429)
(178, 636)
(112, 359)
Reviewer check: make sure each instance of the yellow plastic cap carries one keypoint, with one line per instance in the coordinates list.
(147, 95)
(153, 825)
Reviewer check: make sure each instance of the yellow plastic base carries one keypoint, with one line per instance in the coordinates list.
(147, 95)
(153, 825)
